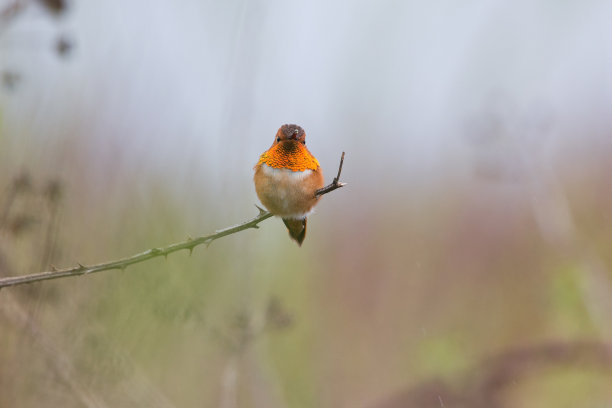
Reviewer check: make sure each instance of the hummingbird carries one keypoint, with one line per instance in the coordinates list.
(287, 177)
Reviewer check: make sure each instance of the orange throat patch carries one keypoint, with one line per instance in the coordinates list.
(290, 155)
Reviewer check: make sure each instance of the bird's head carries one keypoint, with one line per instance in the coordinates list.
(290, 134)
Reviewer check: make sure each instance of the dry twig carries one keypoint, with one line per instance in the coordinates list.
(334, 184)
(123, 263)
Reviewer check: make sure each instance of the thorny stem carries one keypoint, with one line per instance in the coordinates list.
(123, 263)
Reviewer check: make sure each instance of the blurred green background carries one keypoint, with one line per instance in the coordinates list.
(466, 263)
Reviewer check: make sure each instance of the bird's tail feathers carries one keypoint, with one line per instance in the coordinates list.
(297, 229)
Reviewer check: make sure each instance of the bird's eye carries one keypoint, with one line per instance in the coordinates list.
(278, 139)
(303, 142)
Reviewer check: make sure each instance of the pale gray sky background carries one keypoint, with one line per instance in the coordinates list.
(186, 88)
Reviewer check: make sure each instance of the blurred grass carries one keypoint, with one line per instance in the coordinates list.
(386, 295)
(561, 388)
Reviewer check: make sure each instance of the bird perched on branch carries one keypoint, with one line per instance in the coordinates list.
(287, 177)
